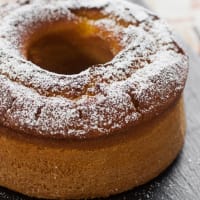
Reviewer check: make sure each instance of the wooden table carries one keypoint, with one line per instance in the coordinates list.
(181, 181)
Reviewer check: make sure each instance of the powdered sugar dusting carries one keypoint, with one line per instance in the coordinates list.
(142, 79)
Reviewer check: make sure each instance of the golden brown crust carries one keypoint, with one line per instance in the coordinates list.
(105, 130)
(146, 75)
(72, 171)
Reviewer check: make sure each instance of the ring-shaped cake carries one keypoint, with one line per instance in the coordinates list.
(91, 102)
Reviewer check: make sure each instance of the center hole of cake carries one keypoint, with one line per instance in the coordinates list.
(67, 50)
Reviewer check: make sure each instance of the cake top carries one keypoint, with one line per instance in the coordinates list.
(142, 80)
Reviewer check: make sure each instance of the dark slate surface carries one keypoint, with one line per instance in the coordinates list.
(181, 181)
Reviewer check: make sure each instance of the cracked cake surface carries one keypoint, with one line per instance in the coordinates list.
(146, 75)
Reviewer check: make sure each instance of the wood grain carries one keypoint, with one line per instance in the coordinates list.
(181, 181)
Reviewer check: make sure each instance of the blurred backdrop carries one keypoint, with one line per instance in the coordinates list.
(183, 15)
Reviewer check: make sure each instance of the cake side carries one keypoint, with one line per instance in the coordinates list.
(100, 168)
